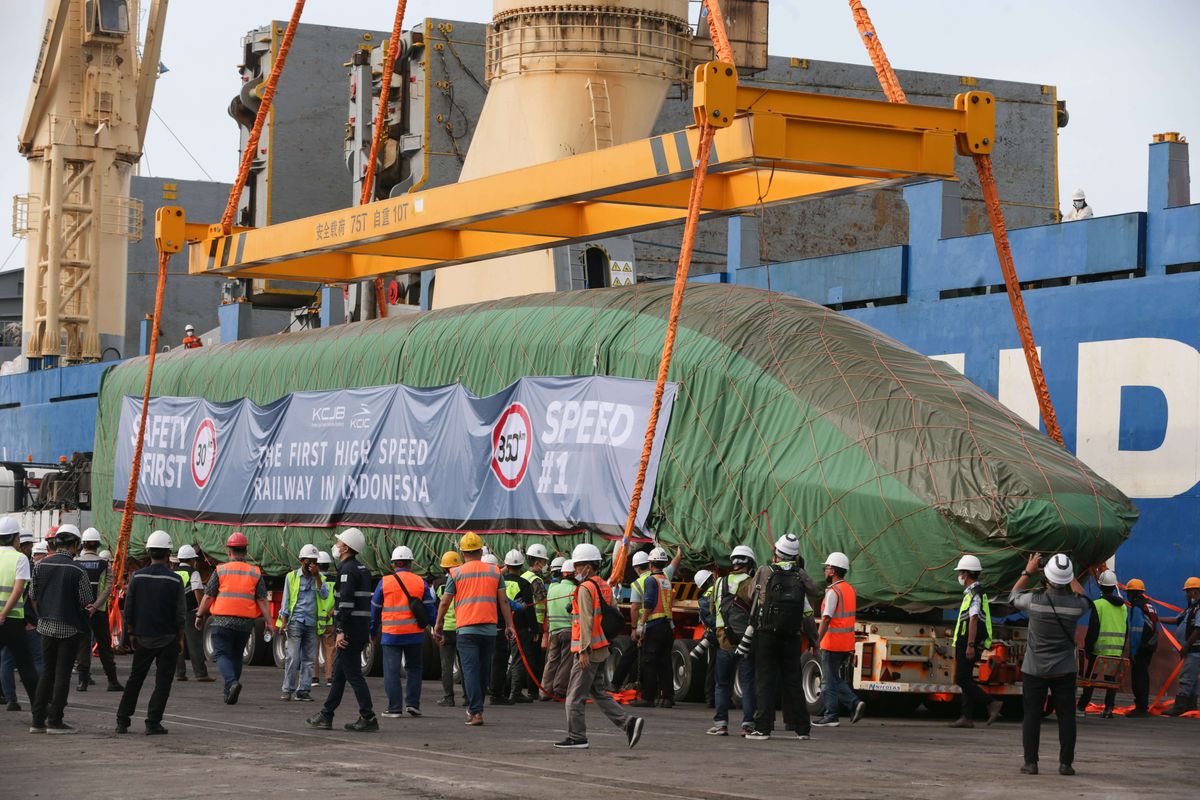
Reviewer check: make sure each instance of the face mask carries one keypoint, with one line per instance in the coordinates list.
(962, 581)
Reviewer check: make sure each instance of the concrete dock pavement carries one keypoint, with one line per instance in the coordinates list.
(260, 747)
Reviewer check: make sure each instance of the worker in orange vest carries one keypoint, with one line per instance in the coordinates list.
(477, 591)
(190, 340)
(836, 632)
(401, 609)
(236, 597)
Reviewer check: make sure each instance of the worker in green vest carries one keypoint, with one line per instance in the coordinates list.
(556, 639)
(193, 592)
(299, 615)
(972, 635)
(447, 649)
(1107, 635)
(15, 575)
(536, 574)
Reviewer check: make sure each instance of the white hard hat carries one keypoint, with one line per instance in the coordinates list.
(586, 553)
(969, 563)
(1107, 578)
(568, 567)
(787, 545)
(9, 526)
(187, 552)
(490, 559)
(90, 535)
(838, 560)
(40, 549)
(323, 558)
(537, 551)
(1059, 569)
(189, 327)
(402, 553)
(513, 558)
(1078, 195)
(659, 555)
(742, 551)
(556, 564)
(640, 558)
(68, 528)
(105, 555)
(487, 551)
(308, 551)
(159, 540)
(701, 578)
(25, 537)
(354, 539)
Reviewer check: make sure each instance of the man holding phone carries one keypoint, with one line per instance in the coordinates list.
(303, 589)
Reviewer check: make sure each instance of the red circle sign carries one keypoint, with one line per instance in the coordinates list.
(204, 453)
(510, 446)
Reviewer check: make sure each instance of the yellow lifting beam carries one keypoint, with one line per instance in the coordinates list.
(777, 147)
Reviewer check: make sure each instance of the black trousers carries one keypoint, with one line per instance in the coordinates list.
(625, 667)
(1139, 678)
(1085, 697)
(973, 698)
(12, 636)
(164, 660)
(657, 676)
(195, 649)
(1033, 698)
(347, 668)
(499, 687)
(519, 679)
(448, 653)
(777, 672)
(103, 636)
(55, 683)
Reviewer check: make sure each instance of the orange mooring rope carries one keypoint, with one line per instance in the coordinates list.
(260, 119)
(716, 28)
(991, 199)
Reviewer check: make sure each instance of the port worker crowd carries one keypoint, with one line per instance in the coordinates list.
(534, 628)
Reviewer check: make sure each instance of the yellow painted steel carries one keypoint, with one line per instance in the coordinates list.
(781, 147)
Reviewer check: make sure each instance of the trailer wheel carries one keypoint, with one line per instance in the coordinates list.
(616, 650)
(737, 684)
(688, 673)
(206, 635)
(279, 649)
(811, 678)
(258, 649)
(372, 660)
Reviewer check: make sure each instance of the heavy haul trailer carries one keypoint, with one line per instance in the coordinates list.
(838, 433)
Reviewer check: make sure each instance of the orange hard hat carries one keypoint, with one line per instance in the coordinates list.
(237, 539)
(1135, 585)
(1192, 583)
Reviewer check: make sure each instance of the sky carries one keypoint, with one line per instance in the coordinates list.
(1124, 69)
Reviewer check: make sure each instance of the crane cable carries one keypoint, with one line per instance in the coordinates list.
(368, 187)
(724, 52)
(991, 199)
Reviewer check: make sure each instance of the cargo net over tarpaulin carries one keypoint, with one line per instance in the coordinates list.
(838, 433)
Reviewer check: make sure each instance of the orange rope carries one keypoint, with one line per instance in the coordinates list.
(260, 119)
(135, 469)
(991, 197)
(716, 28)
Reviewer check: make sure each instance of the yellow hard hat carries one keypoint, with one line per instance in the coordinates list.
(451, 558)
(1192, 583)
(470, 541)
(1135, 585)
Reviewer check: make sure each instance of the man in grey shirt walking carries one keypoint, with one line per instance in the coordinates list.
(1050, 660)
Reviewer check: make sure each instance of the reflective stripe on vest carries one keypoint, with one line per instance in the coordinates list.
(397, 617)
(662, 605)
(964, 621)
(839, 636)
(558, 604)
(236, 582)
(1114, 621)
(9, 558)
(598, 638)
(448, 623)
(475, 587)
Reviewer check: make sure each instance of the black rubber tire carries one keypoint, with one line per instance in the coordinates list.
(209, 653)
(617, 648)
(810, 680)
(687, 671)
(372, 660)
(736, 692)
(258, 650)
(279, 648)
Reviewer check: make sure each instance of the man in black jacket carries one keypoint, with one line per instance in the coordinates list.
(154, 606)
(353, 623)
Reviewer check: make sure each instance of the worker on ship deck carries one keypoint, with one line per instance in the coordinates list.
(190, 340)
(1079, 208)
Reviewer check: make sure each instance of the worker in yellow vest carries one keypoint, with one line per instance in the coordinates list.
(236, 597)
(447, 649)
(1107, 636)
(972, 635)
(836, 632)
(535, 575)
(299, 618)
(556, 640)
(15, 574)
(402, 607)
(193, 593)
(654, 629)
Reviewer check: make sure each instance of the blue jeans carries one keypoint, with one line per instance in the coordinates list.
(834, 690)
(1187, 675)
(392, 675)
(228, 647)
(8, 664)
(300, 658)
(723, 693)
(475, 662)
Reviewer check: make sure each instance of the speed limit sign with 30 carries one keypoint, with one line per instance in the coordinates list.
(204, 453)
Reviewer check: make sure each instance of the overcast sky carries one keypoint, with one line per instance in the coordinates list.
(1126, 70)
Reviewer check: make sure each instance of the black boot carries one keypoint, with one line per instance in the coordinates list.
(363, 724)
(1180, 707)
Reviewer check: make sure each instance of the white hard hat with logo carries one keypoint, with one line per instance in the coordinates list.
(513, 558)
(787, 545)
(90, 535)
(838, 560)
(659, 556)
(159, 540)
(1059, 569)
(187, 552)
(307, 551)
(402, 553)
(354, 539)
(969, 563)
(537, 551)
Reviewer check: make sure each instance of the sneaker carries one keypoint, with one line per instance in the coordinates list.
(155, 730)
(328, 682)
(83, 684)
(13, 705)
(392, 714)
(804, 737)
(316, 681)
(303, 697)
(36, 728)
(60, 728)
(747, 727)
(719, 730)
(633, 731)
(122, 729)
(320, 721)
(1029, 769)
(413, 711)
(231, 697)
(826, 722)
(1066, 769)
(446, 702)
(363, 725)
(757, 736)
(572, 744)
(115, 686)
(474, 719)
(285, 696)
(860, 708)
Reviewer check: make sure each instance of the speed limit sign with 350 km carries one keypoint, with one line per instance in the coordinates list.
(510, 446)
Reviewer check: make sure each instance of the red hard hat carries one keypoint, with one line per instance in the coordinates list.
(52, 532)
(237, 539)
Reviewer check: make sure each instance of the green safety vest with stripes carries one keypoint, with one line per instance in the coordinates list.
(448, 623)
(558, 604)
(1114, 623)
(534, 579)
(324, 605)
(964, 619)
(9, 558)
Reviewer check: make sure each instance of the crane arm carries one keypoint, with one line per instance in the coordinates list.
(148, 69)
(40, 93)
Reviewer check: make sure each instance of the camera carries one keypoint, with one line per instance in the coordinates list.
(700, 651)
(1041, 562)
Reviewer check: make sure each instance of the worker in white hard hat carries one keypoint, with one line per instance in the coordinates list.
(402, 609)
(972, 635)
(62, 595)
(525, 627)
(589, 648)
(705, 649)
(839, 612)
(304, 589)
(1107, 638)
(1079, 207)
(190, 340)
(556, 569)
(732, 596)
(353, 624)
(651, 606)
(154, 613)
(193, 593)
(101, 577)
(1049, 665)
(536, 575)
(556, 642)
(18, 646)
(326, 630)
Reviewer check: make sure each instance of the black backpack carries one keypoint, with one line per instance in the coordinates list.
(611, 620)
(735, 613)
(783, 605)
